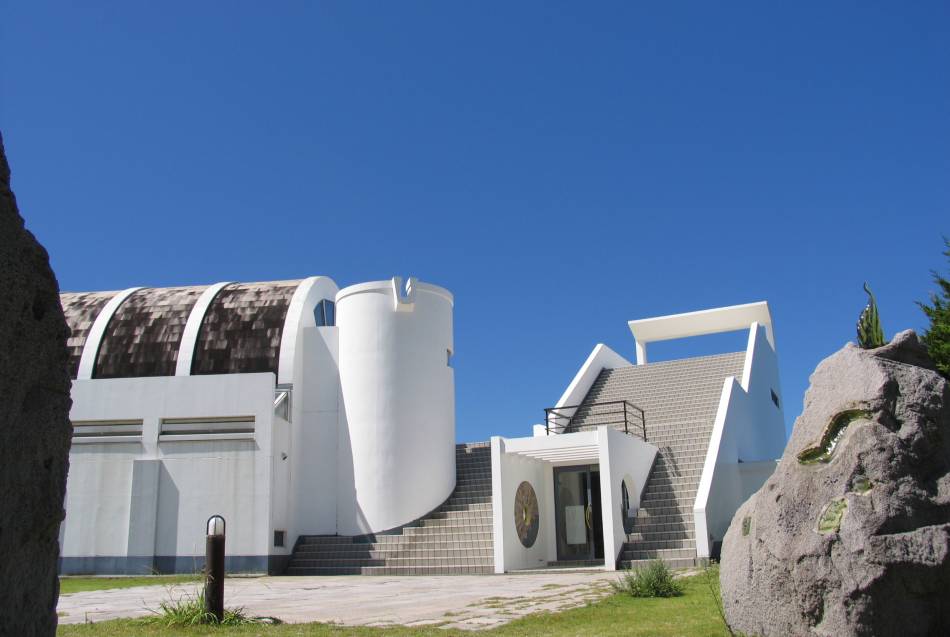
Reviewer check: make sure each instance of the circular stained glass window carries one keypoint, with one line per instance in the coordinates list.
(526, 514)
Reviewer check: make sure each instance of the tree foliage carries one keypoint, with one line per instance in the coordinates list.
(937, 336)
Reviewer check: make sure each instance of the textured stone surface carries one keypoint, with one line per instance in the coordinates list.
(34, 425)
(851, 535)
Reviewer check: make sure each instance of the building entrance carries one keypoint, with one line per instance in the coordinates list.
(578, 519)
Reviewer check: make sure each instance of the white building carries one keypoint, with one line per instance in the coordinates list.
(320, 423)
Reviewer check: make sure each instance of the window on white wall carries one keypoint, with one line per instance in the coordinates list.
(176, 427)
(89, 431)
(324, 313)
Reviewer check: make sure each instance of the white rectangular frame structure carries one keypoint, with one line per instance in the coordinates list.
(700, 323)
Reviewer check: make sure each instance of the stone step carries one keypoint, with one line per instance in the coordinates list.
(397, 562)
(657, 544)
(652, 554)
(670, 562)
(481, 552)
(460, 515)
(435, 534)
(672, 507)
(668, 524)
(682, 506)
(460, 526)
(421, 543)
(454, 569)
(672, 531)
(465, 500)
(474, 506)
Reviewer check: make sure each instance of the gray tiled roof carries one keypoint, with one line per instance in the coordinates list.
(81, 310)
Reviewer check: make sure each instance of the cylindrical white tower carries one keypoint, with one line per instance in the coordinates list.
(397, 433)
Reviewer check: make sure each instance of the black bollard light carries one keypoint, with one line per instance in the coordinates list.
(214, 567)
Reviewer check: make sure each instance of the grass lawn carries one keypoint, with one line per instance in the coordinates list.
(79, 584)
(695, 614)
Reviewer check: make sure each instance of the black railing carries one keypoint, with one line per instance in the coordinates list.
(621, 414)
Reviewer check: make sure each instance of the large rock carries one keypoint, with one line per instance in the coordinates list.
(851, 534)
(34, 425)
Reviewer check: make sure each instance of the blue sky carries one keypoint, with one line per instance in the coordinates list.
(561, 167)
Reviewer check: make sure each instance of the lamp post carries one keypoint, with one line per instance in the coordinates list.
(214, 567)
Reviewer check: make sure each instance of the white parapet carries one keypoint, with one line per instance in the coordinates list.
(713, 321)
(397, 410)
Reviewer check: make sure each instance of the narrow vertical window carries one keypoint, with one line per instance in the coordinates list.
(324, 313)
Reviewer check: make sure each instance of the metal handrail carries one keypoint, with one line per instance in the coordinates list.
(629, 415)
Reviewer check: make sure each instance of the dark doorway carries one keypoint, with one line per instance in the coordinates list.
(577, 514)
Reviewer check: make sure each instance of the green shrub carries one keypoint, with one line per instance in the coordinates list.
(652, 580)
(189, 610)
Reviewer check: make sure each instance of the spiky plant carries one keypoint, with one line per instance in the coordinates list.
(870, 334)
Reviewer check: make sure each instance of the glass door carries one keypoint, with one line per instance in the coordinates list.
(577, 513)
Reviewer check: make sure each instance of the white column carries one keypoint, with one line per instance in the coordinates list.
(641, 353)
(498, 518)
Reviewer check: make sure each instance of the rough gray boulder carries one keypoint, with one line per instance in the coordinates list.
(34, 425)
(851, 534)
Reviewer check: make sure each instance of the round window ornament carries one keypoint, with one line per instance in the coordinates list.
(526, 514)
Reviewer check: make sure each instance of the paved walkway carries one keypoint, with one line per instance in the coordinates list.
(463, 601)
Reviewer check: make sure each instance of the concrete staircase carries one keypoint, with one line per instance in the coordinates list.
(680, 400)
(455, 539)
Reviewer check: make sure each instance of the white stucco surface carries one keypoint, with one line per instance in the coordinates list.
(299, 317)
(397, 409)
(152, 496)
(749, 429)
(621, 457)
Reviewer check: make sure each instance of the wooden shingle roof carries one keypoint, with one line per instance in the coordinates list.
(240, 332)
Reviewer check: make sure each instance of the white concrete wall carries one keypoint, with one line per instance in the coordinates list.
(316, 432)
(397, 439)
(152, 498)
(749, 428)
(508, 472)
(300, 317)
(282, 502)
(622, 457)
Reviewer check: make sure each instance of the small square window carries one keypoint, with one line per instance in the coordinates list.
(279, 538)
